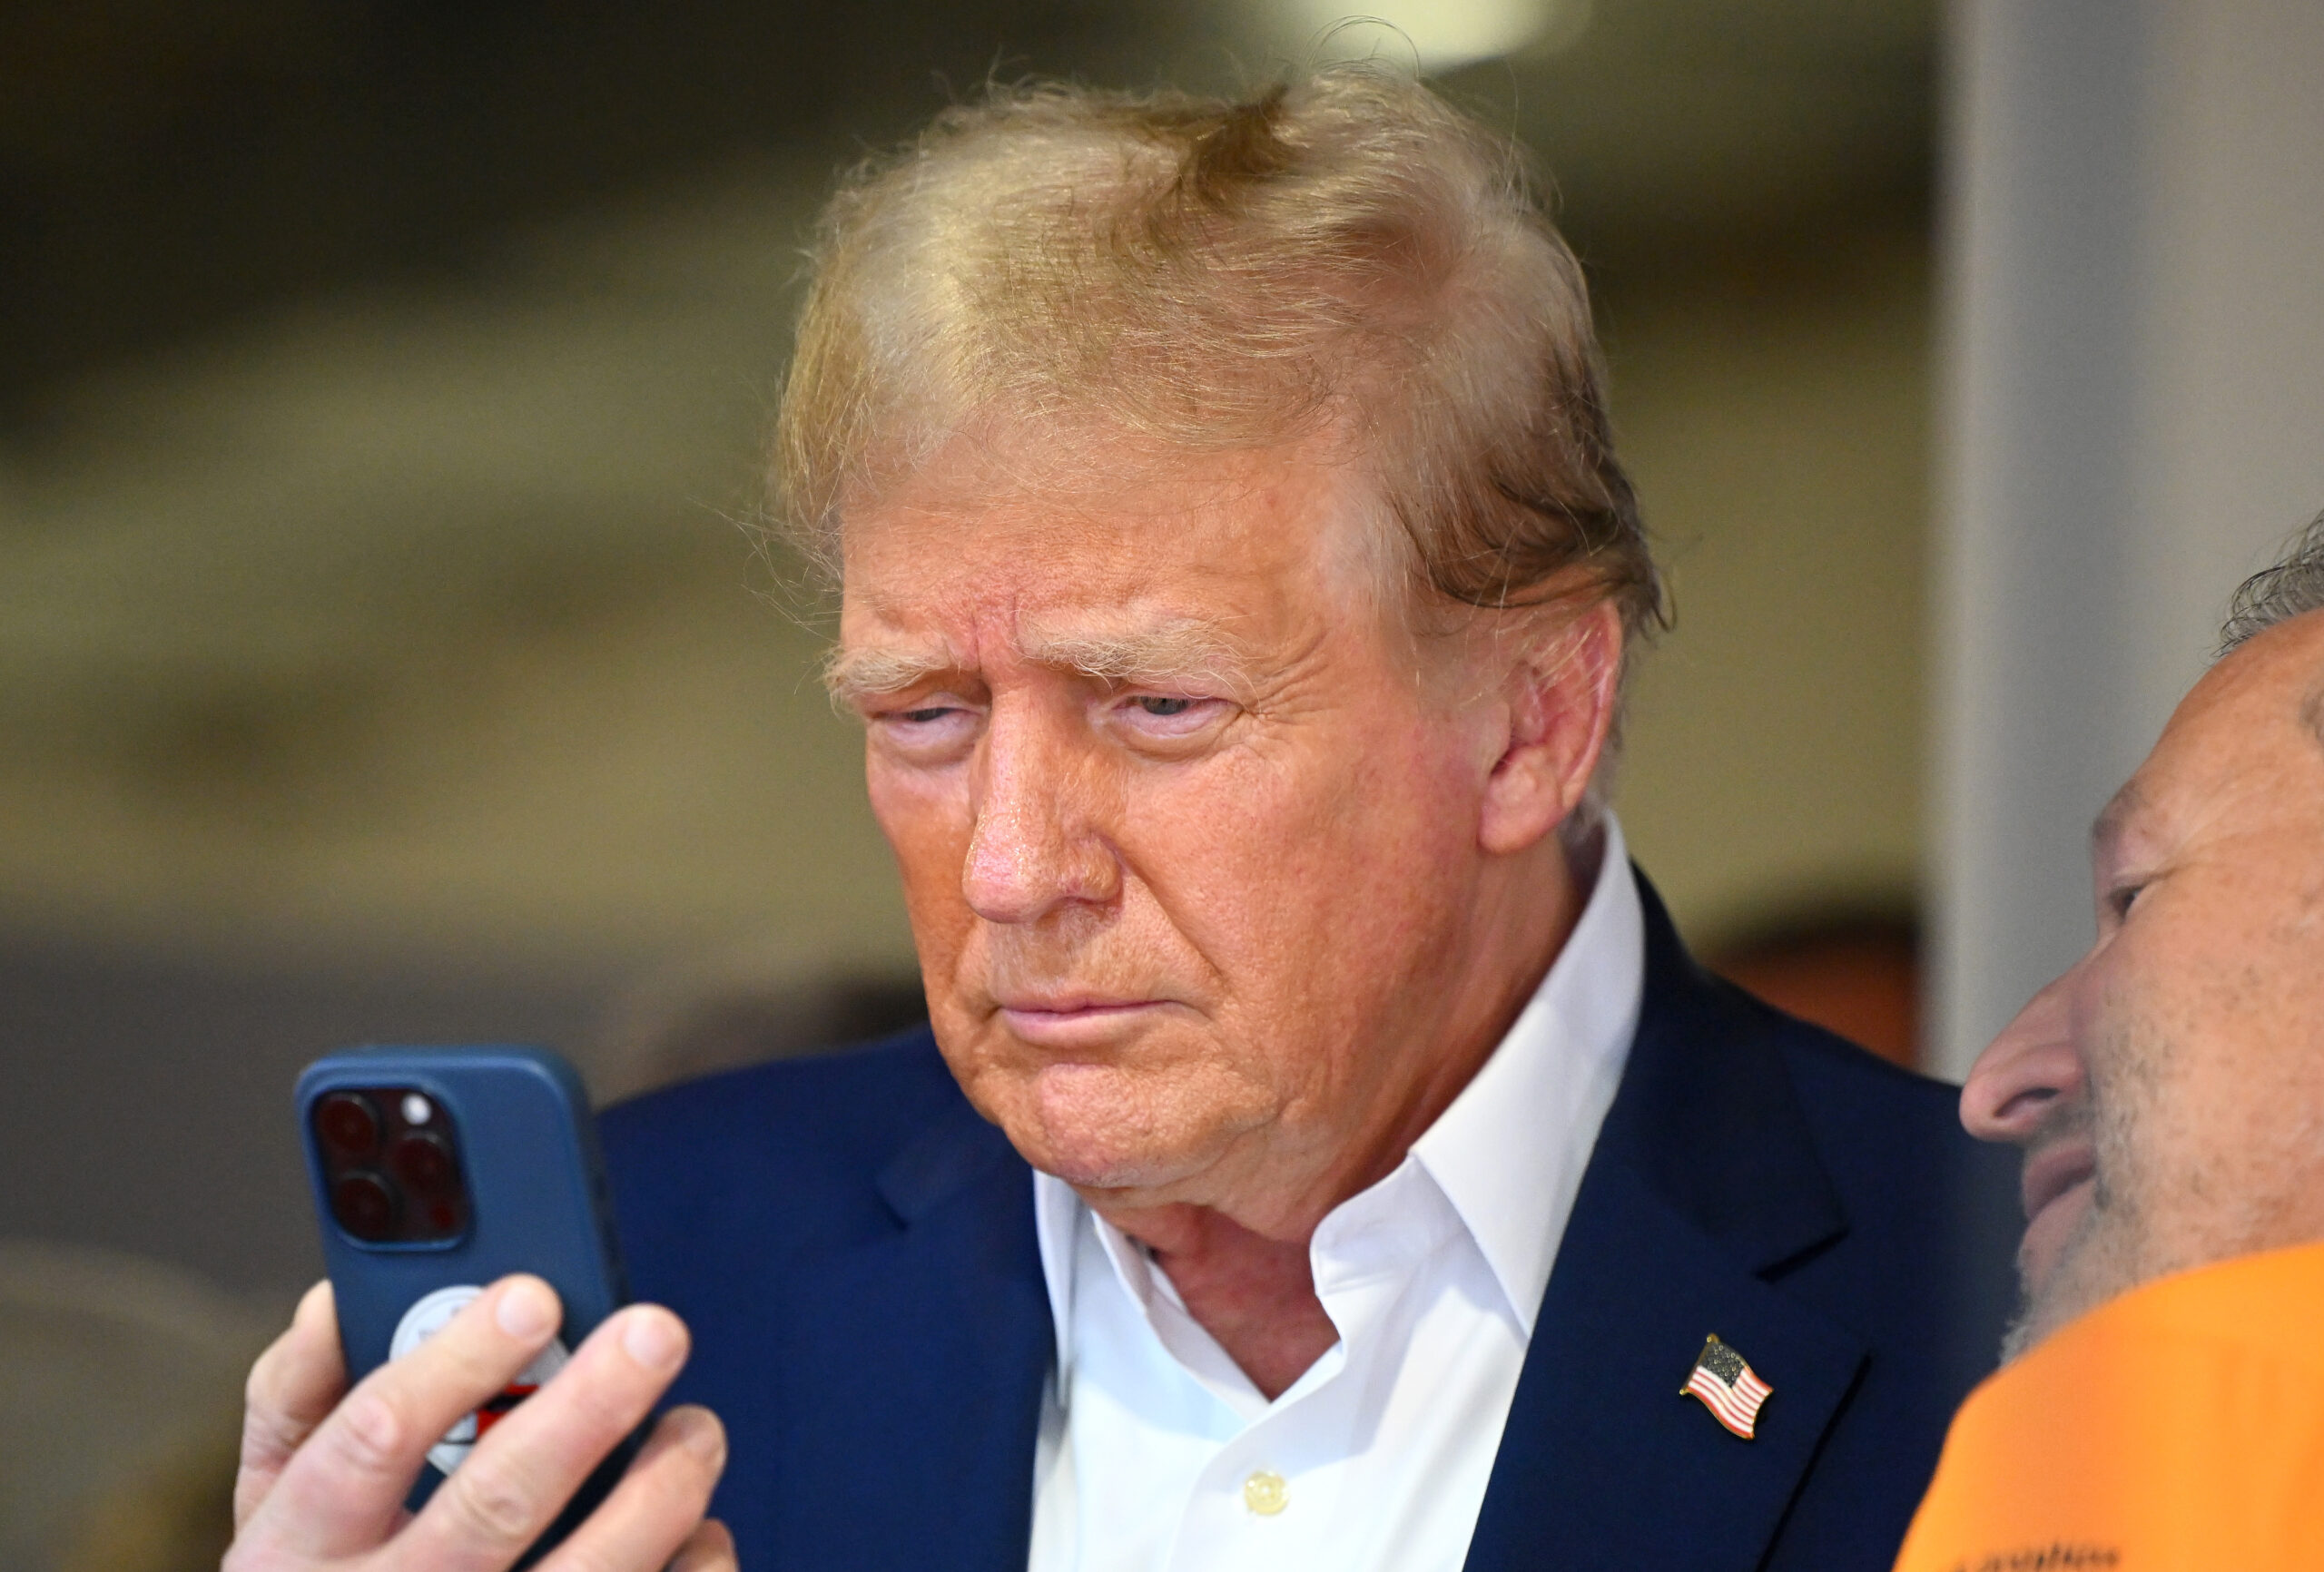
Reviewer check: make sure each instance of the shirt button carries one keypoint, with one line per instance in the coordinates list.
(1265, 1493)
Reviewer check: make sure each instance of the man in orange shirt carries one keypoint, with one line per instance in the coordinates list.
(2163, 1406)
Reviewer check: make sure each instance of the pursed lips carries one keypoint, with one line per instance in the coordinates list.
(1062, 1019)
(2053, 1172)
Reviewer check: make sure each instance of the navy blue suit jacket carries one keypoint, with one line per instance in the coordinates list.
(853, 1247)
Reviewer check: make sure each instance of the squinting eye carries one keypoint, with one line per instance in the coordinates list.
(921, 717)
(1156, 704)
(2122, 899)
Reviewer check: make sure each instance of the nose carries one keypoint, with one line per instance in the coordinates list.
(2032, 1067)
(1035, 848)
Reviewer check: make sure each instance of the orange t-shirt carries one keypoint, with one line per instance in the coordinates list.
(2178, 1429)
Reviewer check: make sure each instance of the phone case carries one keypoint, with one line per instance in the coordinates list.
(533, 1198)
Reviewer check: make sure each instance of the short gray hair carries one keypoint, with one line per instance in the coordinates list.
(2293, 587)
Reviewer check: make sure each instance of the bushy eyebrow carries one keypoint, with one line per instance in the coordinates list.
(1181, 650)
(2107, 828)
(1190, 650)
(854, 676)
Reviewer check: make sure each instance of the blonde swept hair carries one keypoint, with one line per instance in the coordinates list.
(1344, 252)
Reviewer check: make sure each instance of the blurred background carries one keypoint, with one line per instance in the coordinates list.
(383, 656)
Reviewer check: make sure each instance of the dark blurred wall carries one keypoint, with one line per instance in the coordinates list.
(149, 1102)
(167, 169)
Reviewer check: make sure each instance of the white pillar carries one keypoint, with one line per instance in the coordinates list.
(2133, 420)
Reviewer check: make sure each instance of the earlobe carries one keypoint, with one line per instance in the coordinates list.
(1563, 691)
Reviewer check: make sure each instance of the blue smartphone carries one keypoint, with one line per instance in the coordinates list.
(439, 1170)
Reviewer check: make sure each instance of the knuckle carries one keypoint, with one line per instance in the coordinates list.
(253, 1482)
(258, 1387)
(597, 1398)
(494, 1503)
(261, 1443)
(268, 1436)
(603, 1407)
(370, 1436)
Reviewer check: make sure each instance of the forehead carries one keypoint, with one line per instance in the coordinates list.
(1027, 539)
(2245, 745)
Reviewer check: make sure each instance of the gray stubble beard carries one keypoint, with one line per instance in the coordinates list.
(2102, 1259)
(2109, 1251)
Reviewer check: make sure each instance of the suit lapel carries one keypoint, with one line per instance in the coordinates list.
(1703, 1180)
(917, 1365)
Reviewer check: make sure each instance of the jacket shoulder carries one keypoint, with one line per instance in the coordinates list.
(786, 1154)
(1886, 1135)
(1916, 1186)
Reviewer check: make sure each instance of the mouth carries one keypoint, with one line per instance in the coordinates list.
(2054, 1173)
(1066, 1020)
(2058, 1189)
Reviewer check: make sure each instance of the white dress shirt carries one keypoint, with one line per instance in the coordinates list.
(1158, 1455)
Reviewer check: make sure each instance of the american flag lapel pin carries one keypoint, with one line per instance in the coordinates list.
(1729, 1387)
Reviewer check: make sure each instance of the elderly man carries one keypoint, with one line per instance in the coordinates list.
(2169, 1093)
(1324, 1155)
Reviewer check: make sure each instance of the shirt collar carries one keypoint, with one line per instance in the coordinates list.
(1510, 1151)
(1509, 1154)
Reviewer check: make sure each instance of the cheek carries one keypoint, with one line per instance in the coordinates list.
(925, 818)
(1304, 874)
(2175, 1107)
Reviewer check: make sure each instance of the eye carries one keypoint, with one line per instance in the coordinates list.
(931, 730)
(1169, 718)
(2122, 897)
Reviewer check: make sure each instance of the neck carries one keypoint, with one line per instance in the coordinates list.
(1242, 1266)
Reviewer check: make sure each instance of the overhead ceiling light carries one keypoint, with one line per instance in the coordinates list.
(1444, 34)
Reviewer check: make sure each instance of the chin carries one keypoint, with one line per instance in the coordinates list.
(1107, 1127)
(2088, 1256)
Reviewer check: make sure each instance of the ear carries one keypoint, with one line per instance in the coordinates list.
(1561, 688)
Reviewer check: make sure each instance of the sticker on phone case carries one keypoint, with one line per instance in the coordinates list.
(430, 1316)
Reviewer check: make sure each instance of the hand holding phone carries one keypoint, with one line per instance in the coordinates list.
(325, 1470)
(499, 1392)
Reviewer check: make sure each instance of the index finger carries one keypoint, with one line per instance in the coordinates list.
(290, 1391)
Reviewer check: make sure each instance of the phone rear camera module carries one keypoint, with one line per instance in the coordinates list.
(365, 1206)
(390, 1157)
(349, 1125)
(421, 1161)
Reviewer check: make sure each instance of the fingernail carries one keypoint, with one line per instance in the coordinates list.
(654, 1340)
(701, 1434)
(527, 1310)
(314, 1302)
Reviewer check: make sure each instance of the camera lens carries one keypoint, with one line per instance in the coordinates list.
(365, 1205)
(348, 1125)
(421, 1161)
